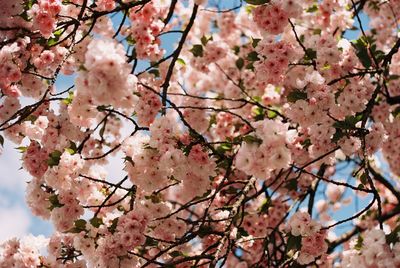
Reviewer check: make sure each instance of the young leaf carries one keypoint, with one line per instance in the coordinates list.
(181, 61)
(204, 40)
(54, 158)
(293, 242)
(257, 2)
(361, 46)
(359, 243)
(96, 222)
(197, 50)
(55, 203)
(204, 230)
(348, 123)
(239, 63)
(312, 9)
(252, 56)
(251, 139)
(296, 95)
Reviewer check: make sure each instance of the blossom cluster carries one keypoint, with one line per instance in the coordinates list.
(222, 141)
(260, 159)
(371, 249)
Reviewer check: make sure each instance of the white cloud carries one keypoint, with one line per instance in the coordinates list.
(14, 222)
(11, 178)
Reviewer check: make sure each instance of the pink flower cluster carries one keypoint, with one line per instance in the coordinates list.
(147, 106)
(157, 159)
(35, 159)
(197, 118)
(313, 242)
(274, 61)
(63, 217)
(21, 253)
(273, 17)
(260, 159)
(44, 15)
(105, 80)
(373, 251)
(258, 115)
(213, 52)
(10, 65)
(146, 25)
(128, 234)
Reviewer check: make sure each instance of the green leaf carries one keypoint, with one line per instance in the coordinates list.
(338, 135)
(56, 37)
(55, 203)
(364, 178)
(293, 242)
(69, 99)
(252, 56)
(266, 204)
(72, 148)
(224, 147)
(254, 42)
(197, 50)
(155, 198)
(317, 31)
(236, 49)
(291, 185)
(251, 139)
(54, 158)
(393, 77)
(130, 40)
(31, 118)
(306, 143)
(150, 242)
(311, 54)
(259, 113)
(257, 2)
(204, 230)
(396, 111)
(213, 120)
(361, 46)
(96, 222)
(312, 9)
(250, 66)
(79, 226)
(101, 132)
(239, 63)
(181, 61)
(22, 149)
(393, 237)
(204, 40)
(271, 114)
(113, 226)
(155, 72)
(241, 232)
(70, 151)
(102, 108)
(296, 95)
(359, 243)
(348, 123)
(175, 254)
(29, 3)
